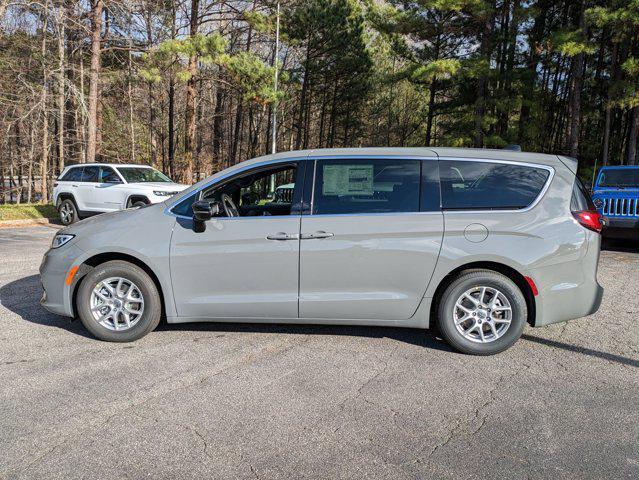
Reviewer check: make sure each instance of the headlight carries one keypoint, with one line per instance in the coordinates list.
(61, 239)
(160, 193)
(598, 203)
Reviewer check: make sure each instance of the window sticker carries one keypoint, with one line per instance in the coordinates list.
(348, 180)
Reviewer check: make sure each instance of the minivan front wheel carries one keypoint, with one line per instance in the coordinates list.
(118, 302)
(482, 312)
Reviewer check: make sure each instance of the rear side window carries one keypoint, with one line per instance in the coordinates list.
(73, 175)
(90, 174)
(581, 200)
(348, 186)
(469, 185)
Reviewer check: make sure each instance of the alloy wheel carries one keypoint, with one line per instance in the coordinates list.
(117, 303)
(482, 314)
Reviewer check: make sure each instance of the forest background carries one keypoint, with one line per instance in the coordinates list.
(189, 86)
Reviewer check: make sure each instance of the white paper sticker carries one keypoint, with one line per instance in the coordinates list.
(348, 180)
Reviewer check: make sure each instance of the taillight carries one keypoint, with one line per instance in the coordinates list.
(591, 219)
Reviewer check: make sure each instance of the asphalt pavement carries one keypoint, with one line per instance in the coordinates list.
(268, 401)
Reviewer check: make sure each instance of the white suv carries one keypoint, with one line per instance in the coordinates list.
(88, 189)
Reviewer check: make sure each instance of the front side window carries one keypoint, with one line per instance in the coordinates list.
(619, 178)
(73, 175)
(263, 192)
(469, 185)
(142, 175)
(90, 174)
(348, 186)
(108, 175)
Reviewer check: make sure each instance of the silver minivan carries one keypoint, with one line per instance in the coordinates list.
(474, 242)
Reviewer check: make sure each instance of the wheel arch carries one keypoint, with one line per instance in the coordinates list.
(504, 269)
(66, 196)
(100, 258)
(134, 198)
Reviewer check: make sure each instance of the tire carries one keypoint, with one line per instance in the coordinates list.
(117, 330)
(137, 203)
(68, 212)
(509, 306)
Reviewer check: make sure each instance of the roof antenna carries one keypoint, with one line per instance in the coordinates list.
(513, 147)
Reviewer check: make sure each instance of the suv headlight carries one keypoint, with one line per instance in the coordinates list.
(60, 239)
(160, 193)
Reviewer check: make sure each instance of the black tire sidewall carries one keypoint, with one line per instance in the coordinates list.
(152, 305)
(139, 203)
(489, 279)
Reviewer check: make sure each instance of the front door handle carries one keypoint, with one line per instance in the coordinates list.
(318, 234)
(283, 236)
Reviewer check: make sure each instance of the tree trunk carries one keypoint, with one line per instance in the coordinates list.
(189, 119)
(631, 148)
(218, 127)
(300, 118)
(44, 158)
(62, 19)
(94, 78)
(574, 104)
(482, 83)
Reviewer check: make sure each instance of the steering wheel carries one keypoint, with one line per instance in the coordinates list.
(229, 206)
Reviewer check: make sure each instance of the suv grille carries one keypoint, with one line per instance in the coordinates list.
(620, 207)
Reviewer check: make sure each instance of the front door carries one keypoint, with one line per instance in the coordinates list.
(370, 246)
(244, 266)
(89, 197)
(110, 192)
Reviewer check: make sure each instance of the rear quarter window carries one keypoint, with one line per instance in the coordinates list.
(470, 185)
(73, 175)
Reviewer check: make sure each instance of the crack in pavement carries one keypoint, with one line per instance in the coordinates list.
(95, 427)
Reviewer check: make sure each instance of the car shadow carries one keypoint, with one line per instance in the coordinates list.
(418, 337)
(22, 297)
(620, 245)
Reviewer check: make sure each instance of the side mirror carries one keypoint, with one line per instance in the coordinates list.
(203, 211)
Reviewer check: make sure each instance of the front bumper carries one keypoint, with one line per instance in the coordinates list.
(57, 295)
(616, 227)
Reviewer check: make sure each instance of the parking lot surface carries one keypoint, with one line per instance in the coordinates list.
(260, 402)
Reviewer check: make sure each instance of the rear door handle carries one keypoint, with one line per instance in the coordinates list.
(283, 236)
(318, 234)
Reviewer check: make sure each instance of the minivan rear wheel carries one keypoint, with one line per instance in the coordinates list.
(482, 312)
(118, 302)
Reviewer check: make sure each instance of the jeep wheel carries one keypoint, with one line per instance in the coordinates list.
(67, 211)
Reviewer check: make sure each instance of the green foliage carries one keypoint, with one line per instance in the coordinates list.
(437, 69)
(253, 77)
(570, 43)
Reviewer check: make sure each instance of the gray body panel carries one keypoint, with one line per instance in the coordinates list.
(376, 270)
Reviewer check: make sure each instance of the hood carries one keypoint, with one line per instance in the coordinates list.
(104, 220)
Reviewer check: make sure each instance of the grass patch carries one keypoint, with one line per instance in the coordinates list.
(27, 211)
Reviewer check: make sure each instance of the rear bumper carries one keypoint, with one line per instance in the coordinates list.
(569, 290)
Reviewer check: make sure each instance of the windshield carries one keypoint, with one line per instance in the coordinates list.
(142, 174)
(624, 178)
